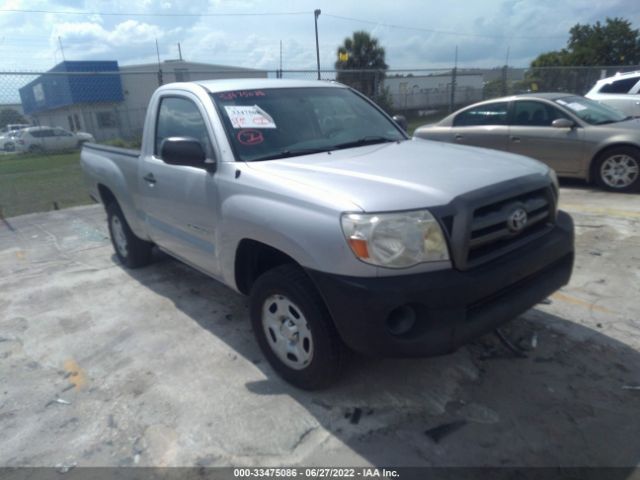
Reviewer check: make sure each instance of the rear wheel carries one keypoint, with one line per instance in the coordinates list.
(618, 169)
(294, 329)
(132, 251)
(36, 149)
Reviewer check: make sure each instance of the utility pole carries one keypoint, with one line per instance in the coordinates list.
(504, 73)
(280, 71)
(454, 73)
(179, 52)
(159, 65)
(61, 49)
(316, 14)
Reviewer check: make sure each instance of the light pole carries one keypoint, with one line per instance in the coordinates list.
(316, 14)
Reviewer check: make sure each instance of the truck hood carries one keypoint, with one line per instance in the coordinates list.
(401, 176)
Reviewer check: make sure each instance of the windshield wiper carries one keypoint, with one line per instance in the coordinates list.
(289, 153)
(368, 140)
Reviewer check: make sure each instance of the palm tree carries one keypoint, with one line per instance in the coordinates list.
(363, 54)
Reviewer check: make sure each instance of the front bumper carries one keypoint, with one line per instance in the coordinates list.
(450, 307)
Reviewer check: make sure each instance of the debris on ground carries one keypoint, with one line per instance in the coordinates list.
(438, 433)
(59, 400)
(508, 345)
(62, 468)
(355, 415)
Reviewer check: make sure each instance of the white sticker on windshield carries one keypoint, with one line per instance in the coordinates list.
(576, 107)
(249, 116)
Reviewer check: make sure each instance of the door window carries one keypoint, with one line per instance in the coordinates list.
(535, 114)
(619, 86)
(488, 114)
(60, 132)
(180, 117)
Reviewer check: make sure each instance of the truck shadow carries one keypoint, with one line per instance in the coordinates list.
(565, 405)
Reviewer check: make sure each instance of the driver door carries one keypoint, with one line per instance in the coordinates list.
(181, 202)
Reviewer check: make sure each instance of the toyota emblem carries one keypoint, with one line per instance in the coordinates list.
(517, 220)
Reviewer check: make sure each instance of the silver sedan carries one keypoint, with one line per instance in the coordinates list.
(575, 136)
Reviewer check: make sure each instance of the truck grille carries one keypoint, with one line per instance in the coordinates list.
(509, 223)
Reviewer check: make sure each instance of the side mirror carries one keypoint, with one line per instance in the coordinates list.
(401, 121)
(562, 123)
(184, 151)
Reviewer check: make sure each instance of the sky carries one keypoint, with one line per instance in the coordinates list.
(416, 34)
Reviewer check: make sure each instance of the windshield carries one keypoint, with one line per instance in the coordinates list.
(591, 112)
(275, 123)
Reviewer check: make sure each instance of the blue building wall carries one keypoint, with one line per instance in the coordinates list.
(54, 89)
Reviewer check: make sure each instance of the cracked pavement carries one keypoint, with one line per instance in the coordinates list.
(107, 367)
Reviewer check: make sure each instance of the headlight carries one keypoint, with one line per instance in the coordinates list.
(395, 240)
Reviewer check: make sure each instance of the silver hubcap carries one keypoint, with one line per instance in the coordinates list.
(287, 332)
(119, 238)
(619, 171)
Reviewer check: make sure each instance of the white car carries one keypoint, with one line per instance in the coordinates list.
(7, 133)
(622, 92)
(40, 139)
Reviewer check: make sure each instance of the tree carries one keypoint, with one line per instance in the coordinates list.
(9, 115)
(366, 58)
(614, 43)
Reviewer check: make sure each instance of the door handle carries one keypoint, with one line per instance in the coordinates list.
(515, 139)
(459, 137)
(149, 178)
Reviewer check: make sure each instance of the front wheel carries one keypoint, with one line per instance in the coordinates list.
(294, 329)
(618, 169)
(132, 251)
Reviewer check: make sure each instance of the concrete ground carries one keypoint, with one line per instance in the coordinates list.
(101, 366)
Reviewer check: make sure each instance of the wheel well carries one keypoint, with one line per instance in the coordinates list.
(602, 151)
(106, 196)
(253, 258)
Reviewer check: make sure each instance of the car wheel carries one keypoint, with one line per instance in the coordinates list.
(294, 329)
(132, 251)
(618, 169)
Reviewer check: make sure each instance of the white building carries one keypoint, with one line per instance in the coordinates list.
(433, 91)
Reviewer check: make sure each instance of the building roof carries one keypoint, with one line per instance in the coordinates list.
(153, 67)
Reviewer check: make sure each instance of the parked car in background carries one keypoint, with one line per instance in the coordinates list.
(575, 136)
(40, 139)
(6, 135)
(622, 91)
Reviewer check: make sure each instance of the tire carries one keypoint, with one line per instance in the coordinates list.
(618, 169)
(288, 314)
(132, 251)
(36, 149)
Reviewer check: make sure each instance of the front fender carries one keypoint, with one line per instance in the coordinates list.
(309, 234)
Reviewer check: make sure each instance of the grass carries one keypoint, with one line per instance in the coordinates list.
(32, 183)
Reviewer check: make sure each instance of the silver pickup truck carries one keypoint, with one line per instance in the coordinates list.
(343, 230)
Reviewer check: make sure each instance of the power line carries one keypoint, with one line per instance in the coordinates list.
(140, 14)
(442, 32)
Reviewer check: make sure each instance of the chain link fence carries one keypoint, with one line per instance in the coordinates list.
(42, 173)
